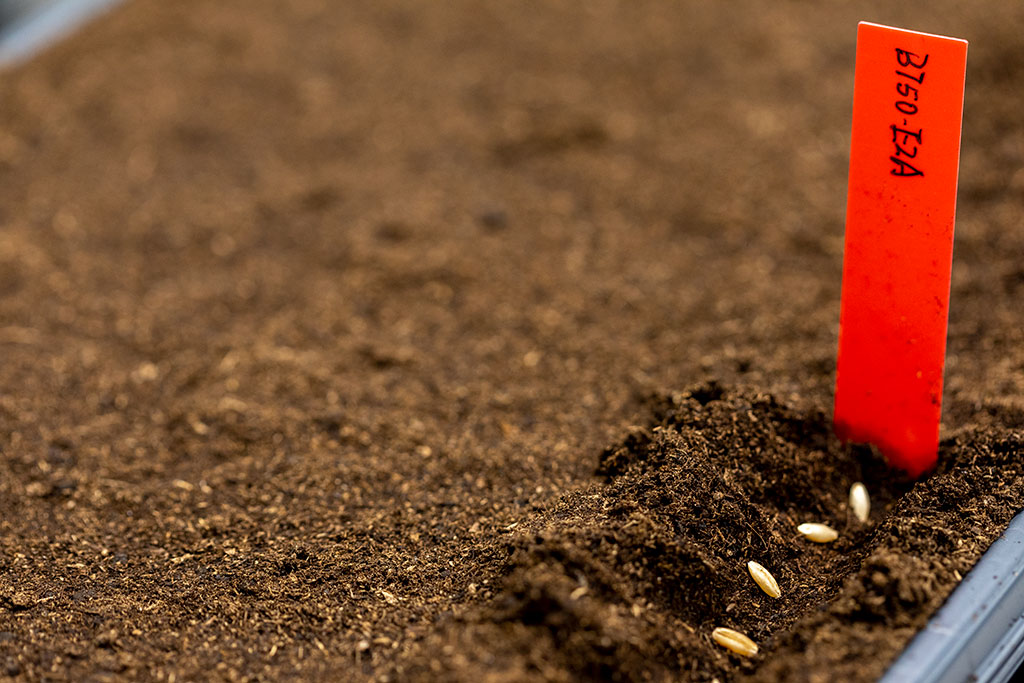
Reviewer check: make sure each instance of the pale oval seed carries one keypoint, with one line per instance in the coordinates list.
(734, 641)
(860, 502)
(819, 533)
(764, 579)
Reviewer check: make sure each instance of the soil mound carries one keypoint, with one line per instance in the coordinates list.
(626, 579)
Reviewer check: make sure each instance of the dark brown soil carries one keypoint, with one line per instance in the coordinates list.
(625, 580)
(317, 320)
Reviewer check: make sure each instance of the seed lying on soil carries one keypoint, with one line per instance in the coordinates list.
(819, 533)
(860, 502)
(764, 579)
(734, 641)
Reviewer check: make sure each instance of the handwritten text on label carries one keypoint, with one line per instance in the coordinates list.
(905, 158)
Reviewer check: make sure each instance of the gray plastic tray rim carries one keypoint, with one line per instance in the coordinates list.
(978, 634)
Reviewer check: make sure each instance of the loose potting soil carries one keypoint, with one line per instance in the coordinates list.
(472, 341)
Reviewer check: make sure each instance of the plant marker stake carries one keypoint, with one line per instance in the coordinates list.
(900, 209)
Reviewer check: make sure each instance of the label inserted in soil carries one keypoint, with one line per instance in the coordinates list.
(901, 205)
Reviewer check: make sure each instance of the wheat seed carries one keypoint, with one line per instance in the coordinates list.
(819, 533)
(734, 641)
(860, 502)
(764, 579)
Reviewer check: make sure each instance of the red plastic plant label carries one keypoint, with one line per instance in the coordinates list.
(901, 204)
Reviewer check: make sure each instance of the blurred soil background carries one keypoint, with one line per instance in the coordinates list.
(316, 319)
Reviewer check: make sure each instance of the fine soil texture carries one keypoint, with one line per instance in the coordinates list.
(473, 341)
